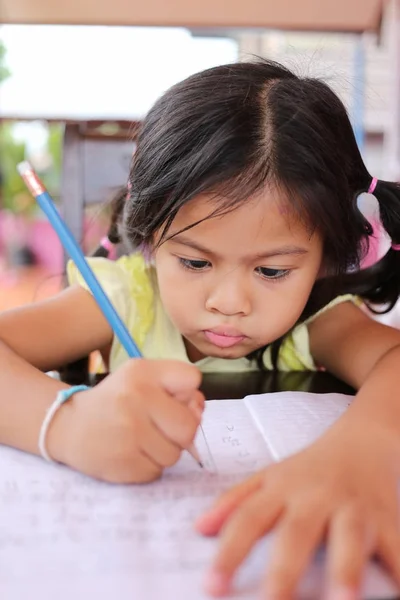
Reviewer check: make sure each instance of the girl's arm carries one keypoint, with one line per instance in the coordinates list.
(127, 429)
(36, 338)
(365, 354)
(25, 395)
(57, 331)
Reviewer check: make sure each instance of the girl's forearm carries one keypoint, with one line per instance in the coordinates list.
(378, 400)
(25, 395)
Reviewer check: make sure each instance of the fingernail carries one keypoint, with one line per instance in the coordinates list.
(216, 583)
(207, 524)
(341, 592)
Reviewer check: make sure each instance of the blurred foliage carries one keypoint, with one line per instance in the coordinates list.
(14, 195)
(4, 72)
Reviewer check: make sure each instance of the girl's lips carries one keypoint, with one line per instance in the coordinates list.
(222, 339)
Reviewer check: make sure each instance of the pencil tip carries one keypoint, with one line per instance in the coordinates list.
(200, 464)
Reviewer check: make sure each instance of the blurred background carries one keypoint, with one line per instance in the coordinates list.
(76, 80)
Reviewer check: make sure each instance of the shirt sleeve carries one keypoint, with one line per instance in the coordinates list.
(127, 285)
(294, 353)
(339, 300)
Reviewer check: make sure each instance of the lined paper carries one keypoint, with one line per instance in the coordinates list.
(290, 421)
(66, 536)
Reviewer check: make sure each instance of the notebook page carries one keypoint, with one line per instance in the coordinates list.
(64, 535)
(290, 421)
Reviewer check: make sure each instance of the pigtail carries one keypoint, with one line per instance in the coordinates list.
(379, 284)
(113, 236)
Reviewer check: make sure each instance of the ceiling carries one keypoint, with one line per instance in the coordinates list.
(300, 15)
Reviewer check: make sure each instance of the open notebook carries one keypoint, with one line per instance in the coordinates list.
(65, 536)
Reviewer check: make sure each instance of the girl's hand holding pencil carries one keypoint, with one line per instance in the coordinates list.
(132, 425)
(156, 439)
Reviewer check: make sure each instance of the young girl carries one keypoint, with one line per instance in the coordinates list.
(242, 199)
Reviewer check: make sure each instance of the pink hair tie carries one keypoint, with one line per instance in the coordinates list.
(372, 185)
(395, 247)
(106, 244)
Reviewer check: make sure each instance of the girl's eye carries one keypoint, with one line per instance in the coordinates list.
(268, 273)
(194, 265)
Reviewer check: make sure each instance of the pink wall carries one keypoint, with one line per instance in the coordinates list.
(41, 238)
(45, 244)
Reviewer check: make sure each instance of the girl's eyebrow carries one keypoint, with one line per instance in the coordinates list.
(288, 250)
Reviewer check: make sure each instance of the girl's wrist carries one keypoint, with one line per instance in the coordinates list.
(59, 436)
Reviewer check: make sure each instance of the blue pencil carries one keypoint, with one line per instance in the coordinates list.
(46, 203)
(43, 198)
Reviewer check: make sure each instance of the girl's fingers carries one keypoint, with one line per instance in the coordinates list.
(255, 517)
(350, 543)
(300, 530)
(210, 522)
(142, 470)
(157, 447)
(173, 418)
(197, 404)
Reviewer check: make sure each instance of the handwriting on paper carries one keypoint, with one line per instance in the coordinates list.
(54, 512)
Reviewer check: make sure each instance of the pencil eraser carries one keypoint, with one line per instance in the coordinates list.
(23, 167)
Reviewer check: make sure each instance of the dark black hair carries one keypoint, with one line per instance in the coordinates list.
(235, 128)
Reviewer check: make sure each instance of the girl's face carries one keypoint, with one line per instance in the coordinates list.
(236, 282)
